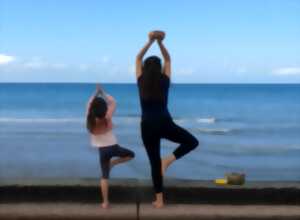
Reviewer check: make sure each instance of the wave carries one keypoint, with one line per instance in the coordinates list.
(121, 118)
(134, 117)
(117, 119)
(41, 120)
(217, 131)
(210, 120)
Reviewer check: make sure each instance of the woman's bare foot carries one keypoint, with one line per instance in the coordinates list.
(158, 204)
(164, 166)
(166, 162)
(159, 200)
(105, 205)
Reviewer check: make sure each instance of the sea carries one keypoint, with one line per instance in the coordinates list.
(248, 128)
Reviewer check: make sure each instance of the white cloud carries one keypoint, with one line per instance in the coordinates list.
(241, 70)
(184, 71)
(5, 59)
(84, 67)
(131, 69)
(59, 66)
(35, 63)
(287, 71)
(38, 63)
(105, 59)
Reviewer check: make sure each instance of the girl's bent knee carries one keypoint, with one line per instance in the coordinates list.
(131, 155)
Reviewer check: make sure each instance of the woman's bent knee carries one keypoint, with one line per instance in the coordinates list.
(194, 143)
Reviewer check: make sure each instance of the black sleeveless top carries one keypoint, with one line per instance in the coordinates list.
(152, 109)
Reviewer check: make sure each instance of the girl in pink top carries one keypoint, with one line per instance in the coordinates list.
(100, 110)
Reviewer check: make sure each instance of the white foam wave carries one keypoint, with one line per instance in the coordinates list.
(41, 120)
(180, 121)
(206, 120)
(126, 119)
(215, 130)
(120, 119)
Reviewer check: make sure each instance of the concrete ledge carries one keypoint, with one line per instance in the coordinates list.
(140, 191)
(66, 211)
(219, 212)
(206, 192)
(58, 211)
(66, 190)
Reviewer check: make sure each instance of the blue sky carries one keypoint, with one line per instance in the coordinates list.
(210, 41)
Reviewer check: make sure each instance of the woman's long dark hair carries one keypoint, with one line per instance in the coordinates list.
(97, 109)
(151, 88)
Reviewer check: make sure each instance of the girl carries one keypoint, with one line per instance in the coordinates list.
(100, 110)
(153, 83)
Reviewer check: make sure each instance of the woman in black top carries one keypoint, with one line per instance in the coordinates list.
(153, 83)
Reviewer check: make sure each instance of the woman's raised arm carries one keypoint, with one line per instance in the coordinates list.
(166, 56)
(139, 57)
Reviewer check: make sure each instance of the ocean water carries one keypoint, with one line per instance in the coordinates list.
(242, 128)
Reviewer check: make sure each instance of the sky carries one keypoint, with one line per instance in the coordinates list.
(210, 41)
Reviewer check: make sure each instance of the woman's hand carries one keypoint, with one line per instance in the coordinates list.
(159, 35)
(156, 35)
(151, 36)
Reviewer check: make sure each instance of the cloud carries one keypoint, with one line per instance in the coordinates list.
(105, 59)
(5, 59)
(84, 67)
(39, 63)
(185, 71)
(35, 63)
(240, 70)
(287, 71)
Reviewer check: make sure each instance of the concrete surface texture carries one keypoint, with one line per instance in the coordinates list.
(131, 199)
(145, 211)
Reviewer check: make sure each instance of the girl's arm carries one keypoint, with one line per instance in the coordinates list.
(166, 56)
(98, 91)
(139, 57)
(111, 106)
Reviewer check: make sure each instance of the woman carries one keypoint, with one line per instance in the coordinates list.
(153, 83)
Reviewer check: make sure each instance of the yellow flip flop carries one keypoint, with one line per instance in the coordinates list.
(221, 181)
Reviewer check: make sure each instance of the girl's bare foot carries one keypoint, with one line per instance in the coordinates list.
(111, 164)
(158, 204)
(105, 205)
(114, 162)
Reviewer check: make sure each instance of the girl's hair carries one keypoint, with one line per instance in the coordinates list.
(151, 79)
(98, 109)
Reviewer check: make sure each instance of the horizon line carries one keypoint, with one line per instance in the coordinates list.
(191, 83)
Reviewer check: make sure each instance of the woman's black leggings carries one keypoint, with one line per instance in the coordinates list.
(152, 132)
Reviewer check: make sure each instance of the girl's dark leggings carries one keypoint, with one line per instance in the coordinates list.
(106, 153)
(156, 129)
